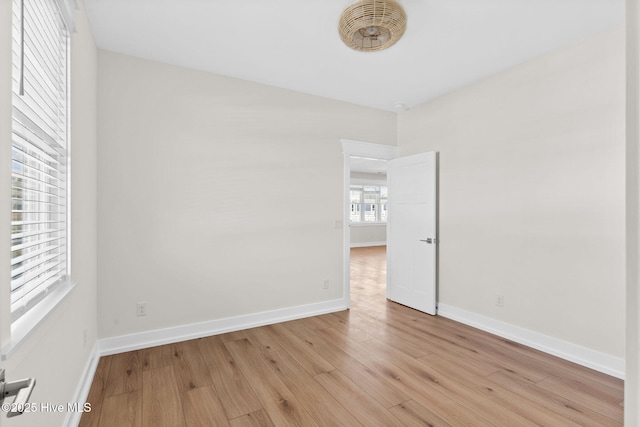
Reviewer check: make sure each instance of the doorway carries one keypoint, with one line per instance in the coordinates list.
(356, 155)
(412, 239)
(368, 208)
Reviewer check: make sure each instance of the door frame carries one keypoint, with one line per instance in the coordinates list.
(352, 148)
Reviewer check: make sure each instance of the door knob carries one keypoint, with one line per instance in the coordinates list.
(20, 389)
(428, 240)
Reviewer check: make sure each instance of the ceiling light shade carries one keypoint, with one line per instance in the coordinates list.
(370, 25)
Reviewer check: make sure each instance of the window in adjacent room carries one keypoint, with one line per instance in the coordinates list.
(368, 203)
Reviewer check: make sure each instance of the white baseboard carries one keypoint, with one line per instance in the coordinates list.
(82, 391)
(367, 244)
(156, 337)
(596, 360)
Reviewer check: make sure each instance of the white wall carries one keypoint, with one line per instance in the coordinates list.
(368, 235)
(56, 353)
(217, 197)
(532, 193)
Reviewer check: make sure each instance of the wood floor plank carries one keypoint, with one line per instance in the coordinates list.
(513, 402)
(346, 328)
(550, 364)
(466, 363)
(424, 392)
(161, 406)
(122, 410)
(585, 381)
(261, 340)
(299, 349)
(453, 343)
(232, 336)
(202, 408)
(374, 385)
(559, 404)
(392, 324)
(412, 344)
(156, 357)
(283, 408)
(585, 396)
(413, 414)
(321, 405)
(191, 369)
(254, 419)
(366, 410)
(519, 355)
(455, 390)
(313, 323)
(125, 374)
(232, 388)
(96, 393)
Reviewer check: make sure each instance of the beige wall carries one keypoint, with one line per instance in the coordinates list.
(632, 371)
(217, 197)
(56, 353)
(532, 193)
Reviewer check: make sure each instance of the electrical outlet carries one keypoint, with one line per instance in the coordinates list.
(500, 300)
(141, 309)
(325, 284)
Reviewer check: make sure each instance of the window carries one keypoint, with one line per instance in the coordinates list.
(39, 166)
(368, 203)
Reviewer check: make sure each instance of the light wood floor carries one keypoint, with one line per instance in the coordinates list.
(379, 364)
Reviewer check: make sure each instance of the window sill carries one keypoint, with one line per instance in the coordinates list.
(367, 224)
(22, 328)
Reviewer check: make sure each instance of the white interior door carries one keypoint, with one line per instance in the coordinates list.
(411, 231)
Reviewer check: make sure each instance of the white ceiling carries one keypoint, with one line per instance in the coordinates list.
(294, 44)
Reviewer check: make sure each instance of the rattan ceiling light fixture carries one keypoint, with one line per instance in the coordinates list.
(370, 25)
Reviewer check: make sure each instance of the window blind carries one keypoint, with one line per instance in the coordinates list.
(39, 238)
